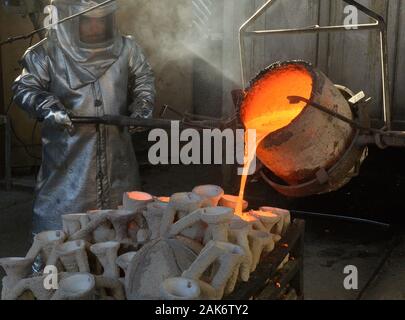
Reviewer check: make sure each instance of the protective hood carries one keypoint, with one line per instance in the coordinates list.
(91, 42)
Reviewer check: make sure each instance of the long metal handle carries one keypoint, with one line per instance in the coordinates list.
(122, 121)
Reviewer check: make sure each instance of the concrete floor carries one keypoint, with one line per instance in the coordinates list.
(330, 246)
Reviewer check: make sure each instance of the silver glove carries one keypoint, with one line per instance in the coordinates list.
(57, 117)
(141, 109)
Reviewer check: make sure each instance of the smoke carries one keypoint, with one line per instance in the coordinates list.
(161, 27)
(173, 34)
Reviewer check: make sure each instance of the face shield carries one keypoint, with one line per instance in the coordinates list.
(95, 29)
(90, 42)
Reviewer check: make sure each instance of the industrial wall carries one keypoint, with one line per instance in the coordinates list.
(23, 126)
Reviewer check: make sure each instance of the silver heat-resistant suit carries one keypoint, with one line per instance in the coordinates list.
(88, 167)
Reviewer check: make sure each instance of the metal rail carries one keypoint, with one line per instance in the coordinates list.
(379, 25)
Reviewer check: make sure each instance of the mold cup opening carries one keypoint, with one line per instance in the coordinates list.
(267, 107)
(164, 200)
(231, 201)
(139, 196)
(217, 214)
(208, 190)
(50, 236)
(266, 216)
(78, 284)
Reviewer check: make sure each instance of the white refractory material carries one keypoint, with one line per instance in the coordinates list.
(158, 260)
(181, 205)
(99, 227)
(180, 289)
(285, 218)
(218, 220)
(44, 243)
(184, 247)
(72, 255)
(268, 219)
(259, 241)
(124, 260)
(73, 223)
(227, 259)
(239, 234)
(108, 225)
(210, 193)
(134, 201)
(154, 215)
(16, 269)
(120, 220)
(106, 254)
(76, 287)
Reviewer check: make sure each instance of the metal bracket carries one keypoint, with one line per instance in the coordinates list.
(322, 176)
(359, 97)
(379, 24)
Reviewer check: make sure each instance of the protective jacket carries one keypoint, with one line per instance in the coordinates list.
(89, 167)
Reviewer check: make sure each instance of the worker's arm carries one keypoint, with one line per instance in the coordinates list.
(31, 91)
(141, 83)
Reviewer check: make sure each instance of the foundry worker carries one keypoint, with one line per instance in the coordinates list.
(84, 68)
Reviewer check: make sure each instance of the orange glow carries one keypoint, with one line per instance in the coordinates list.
(267, 214)
(139, 196)
(266, 108)
(248, 218)
(164, 199)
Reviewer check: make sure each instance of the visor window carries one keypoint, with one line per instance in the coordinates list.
(96, 30)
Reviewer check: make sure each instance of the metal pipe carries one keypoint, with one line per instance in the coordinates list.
(354, 124)
(382, 141)
(123, 122)
(317, 28)
(379, 137)
(385, 80)
(339, 217)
